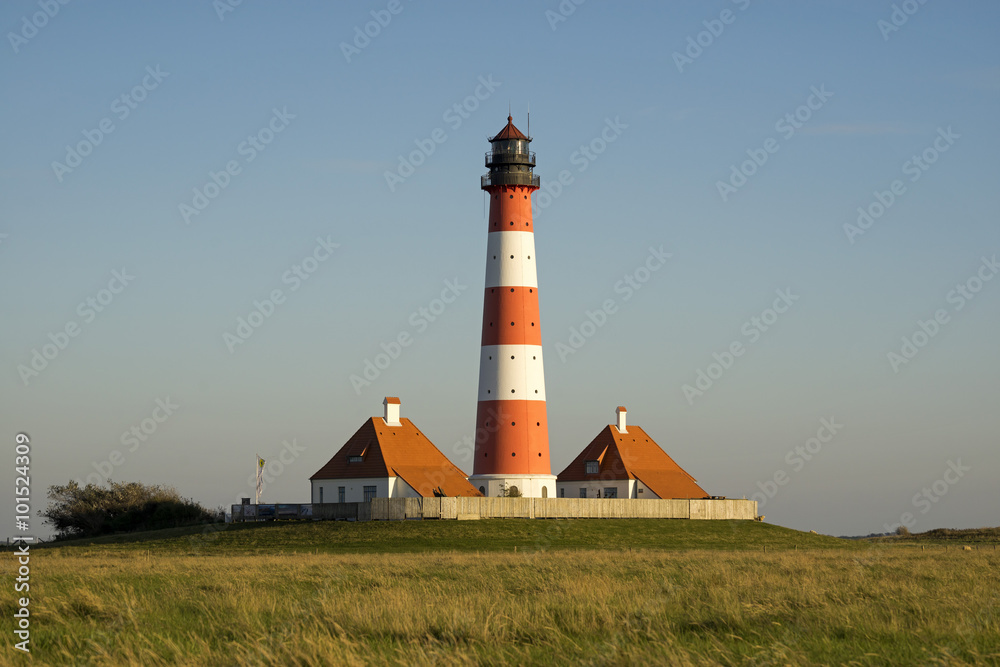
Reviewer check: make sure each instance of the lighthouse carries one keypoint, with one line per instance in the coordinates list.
(512, 441)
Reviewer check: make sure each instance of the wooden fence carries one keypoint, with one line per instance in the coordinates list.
(399, 509)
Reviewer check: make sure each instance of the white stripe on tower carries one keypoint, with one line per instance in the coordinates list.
(511, 372)
(510, 259)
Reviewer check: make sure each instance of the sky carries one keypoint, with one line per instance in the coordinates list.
(216, 216)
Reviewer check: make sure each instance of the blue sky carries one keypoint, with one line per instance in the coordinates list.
(833, 99)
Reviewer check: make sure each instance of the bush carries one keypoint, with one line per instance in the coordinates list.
(93, 510)
(510, 492)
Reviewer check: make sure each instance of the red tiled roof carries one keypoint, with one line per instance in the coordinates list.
(509, 132)
(391, 399)
(633, 455)
(404, 451)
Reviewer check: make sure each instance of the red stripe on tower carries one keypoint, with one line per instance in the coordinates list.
(512, 434)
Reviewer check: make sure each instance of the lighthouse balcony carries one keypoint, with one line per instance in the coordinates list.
(509, 178)
(494, 158)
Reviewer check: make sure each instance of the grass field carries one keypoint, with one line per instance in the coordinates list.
(581, 592)
(488, 535)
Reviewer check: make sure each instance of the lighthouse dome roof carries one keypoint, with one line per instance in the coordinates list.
(509, 132)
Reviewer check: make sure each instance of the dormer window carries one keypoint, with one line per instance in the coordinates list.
(593, 467)
(355, 459)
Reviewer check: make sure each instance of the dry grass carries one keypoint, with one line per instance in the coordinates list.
(882, 605)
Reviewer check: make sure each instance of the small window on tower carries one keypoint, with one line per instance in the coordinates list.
(355, 459)
(593, 467)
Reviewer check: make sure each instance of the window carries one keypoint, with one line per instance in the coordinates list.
(355, 459)
(562, 493)
(610, 493)
(341, 492)
(583, 492)
(482, 490)
(321, 494)
(593, 467)
(545, 492)
(370, 492)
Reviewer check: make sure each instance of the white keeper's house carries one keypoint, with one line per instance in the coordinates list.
(388, 457)
(624, 462)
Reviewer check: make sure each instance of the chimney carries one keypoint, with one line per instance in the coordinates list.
(620, 412)
(391, 416)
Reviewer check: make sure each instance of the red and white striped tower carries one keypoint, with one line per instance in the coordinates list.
(512, 433)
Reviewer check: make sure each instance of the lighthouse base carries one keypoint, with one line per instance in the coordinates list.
(525, 486)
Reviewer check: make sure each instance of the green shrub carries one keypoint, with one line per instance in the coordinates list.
(93, 510)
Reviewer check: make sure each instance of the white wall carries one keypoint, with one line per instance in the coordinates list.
(530, 486)
(643, 492)
(354, 488)
(595, 489)
(400, 489)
